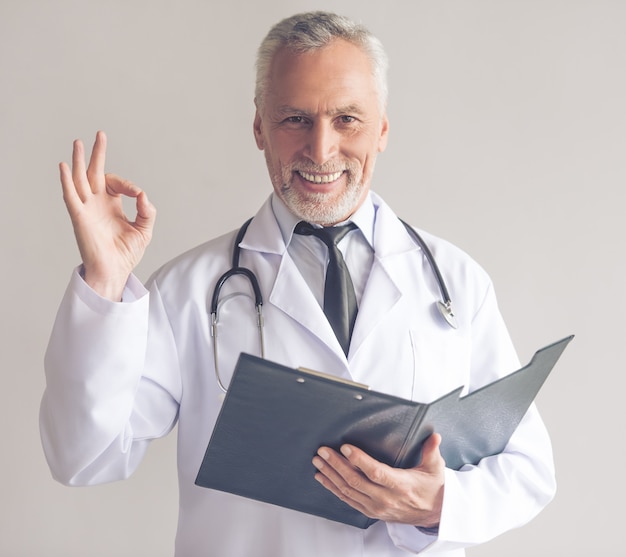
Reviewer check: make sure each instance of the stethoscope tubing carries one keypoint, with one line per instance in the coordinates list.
(444, 305)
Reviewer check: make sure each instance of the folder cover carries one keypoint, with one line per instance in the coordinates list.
(275, 418)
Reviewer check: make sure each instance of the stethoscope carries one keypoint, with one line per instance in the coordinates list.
(444, 305)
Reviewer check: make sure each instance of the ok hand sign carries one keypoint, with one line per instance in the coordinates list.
(110, 244)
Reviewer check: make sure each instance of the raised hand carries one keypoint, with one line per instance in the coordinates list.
(110, 244)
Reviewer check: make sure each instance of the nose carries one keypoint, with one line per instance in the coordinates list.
(322, 144)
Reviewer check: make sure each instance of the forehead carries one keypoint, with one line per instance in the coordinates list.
(339, 74)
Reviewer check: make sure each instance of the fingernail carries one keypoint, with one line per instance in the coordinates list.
(346, 451)
(323, 453)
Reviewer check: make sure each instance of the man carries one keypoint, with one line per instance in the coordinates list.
(125, 363)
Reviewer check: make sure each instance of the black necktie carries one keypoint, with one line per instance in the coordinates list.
(339, 298)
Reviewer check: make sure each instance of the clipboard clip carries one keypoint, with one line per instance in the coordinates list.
(334, 378)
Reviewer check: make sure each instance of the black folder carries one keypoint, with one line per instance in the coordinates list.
(275, 418)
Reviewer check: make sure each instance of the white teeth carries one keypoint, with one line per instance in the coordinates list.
(320, 178)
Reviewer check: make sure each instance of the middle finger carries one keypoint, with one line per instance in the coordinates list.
(95, 170)
(79, 175)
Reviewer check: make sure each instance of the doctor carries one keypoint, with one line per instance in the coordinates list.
(127, 362)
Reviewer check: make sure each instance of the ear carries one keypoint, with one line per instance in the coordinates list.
(384, 134)
(258, 128)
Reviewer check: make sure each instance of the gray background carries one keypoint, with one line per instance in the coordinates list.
(507, 138)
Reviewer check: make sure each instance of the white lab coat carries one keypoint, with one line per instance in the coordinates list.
(120, 374)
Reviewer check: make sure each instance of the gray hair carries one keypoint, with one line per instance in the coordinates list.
(313, 30)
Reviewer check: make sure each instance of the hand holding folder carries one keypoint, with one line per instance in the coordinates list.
(405, 496)
(275, 418)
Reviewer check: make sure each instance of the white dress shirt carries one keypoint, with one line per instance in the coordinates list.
(311, 255)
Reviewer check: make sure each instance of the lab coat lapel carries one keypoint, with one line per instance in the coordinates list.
(392, 249)
(292, 295)
(290, 292)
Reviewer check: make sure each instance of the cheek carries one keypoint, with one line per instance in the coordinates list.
(273, 156)
(368, 162)
(286, 143)
(363, 148)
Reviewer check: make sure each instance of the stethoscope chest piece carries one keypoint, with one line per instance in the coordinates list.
(445, 309)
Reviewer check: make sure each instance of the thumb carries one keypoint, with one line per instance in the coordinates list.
(431, 457)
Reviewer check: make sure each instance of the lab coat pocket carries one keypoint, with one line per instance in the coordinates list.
(441, 363)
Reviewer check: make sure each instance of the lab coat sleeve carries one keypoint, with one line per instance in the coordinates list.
(501, 492)
(104, 398)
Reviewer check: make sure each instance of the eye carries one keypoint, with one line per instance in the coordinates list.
(296, 121)
(346, 119)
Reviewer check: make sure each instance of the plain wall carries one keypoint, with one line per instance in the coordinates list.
(508, 138)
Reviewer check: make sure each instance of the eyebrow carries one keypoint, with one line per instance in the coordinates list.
(286, 110)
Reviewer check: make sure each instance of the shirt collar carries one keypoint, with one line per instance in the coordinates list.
(364, 218)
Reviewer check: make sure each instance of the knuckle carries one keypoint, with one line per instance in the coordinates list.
(354, 482)
(343, 495)
(378, 476)
(346, 492)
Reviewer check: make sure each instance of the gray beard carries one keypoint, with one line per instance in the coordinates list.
(320, 208)
(316, 208)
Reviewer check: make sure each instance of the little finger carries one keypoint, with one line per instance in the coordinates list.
(338, 476)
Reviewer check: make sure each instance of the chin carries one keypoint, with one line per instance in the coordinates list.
(320, 208)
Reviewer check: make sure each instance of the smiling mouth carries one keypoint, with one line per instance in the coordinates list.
(320, 178)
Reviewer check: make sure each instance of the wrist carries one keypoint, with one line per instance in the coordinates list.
(110, 288)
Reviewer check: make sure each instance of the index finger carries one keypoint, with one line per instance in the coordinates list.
(95, 170)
